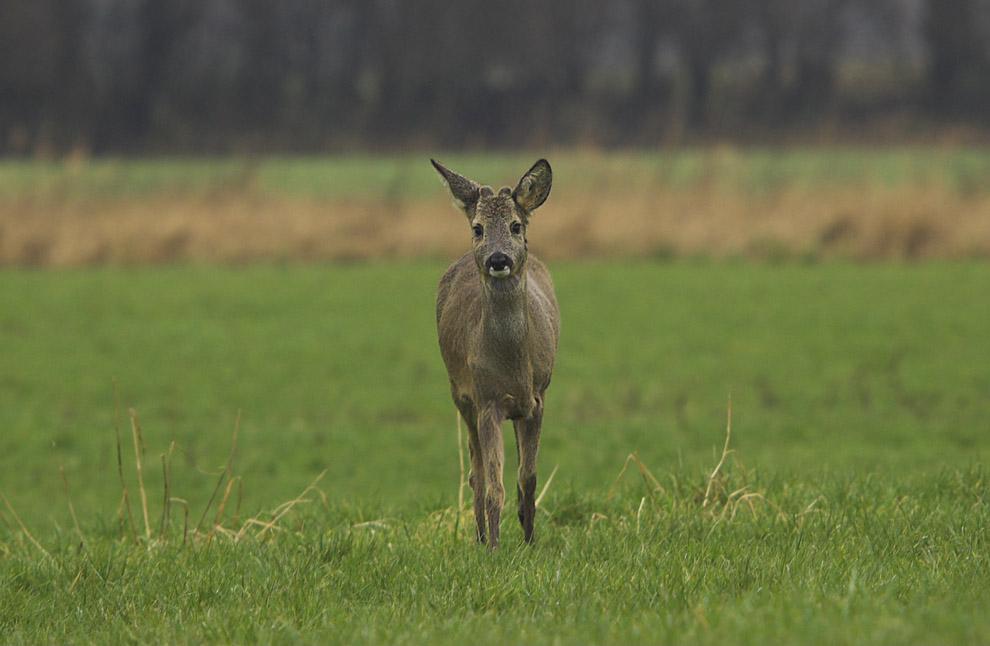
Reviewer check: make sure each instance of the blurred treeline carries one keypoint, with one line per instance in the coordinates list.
(299, 75)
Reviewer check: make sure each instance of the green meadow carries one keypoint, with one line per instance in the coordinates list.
(289, 455)
(408, 176)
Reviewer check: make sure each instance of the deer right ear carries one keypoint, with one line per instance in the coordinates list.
(534, 187)
(464, 191)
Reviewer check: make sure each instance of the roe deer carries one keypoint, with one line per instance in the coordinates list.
(498, 325)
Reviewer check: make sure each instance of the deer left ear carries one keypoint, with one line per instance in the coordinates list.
(464, 191)
(534, 187)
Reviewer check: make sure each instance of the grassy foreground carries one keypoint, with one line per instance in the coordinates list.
(871, 562)
(854, 509)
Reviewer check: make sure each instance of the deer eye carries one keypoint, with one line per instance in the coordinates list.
(478, 230)
(516, 228)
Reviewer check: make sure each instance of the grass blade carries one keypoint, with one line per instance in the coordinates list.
(72, 510)
(721, 461)
(138, 450)
(23, 528)
(125, 502)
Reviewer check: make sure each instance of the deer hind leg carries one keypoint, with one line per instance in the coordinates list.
(527, 445)
(492, 453)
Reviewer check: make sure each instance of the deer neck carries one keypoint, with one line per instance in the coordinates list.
(504, 313)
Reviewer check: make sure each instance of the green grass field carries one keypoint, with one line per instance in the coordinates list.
(853, 510)
(757, 170)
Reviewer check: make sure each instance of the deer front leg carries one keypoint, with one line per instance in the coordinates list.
(492, 451)
(527, 445)
(476, 477)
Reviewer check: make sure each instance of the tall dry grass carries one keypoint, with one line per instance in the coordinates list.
(636, 217)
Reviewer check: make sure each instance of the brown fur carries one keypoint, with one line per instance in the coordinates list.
(498, 338)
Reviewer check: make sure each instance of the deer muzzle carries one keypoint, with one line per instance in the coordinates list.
(498, 265)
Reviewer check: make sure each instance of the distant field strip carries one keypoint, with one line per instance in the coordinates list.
(809, 203)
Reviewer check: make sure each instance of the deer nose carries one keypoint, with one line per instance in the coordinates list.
(498, 262)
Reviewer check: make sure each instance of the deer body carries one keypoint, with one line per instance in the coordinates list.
(498, 325)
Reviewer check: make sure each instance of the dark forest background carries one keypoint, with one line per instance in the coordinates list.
(195, 76)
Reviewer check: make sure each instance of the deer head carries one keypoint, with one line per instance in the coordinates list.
(498, 220)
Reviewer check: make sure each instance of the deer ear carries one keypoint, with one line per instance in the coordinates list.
(534, 187)
(463, 190)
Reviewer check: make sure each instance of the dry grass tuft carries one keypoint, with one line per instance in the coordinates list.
(226, 526)
(722, 499)
(653, 486)
(719, 498)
